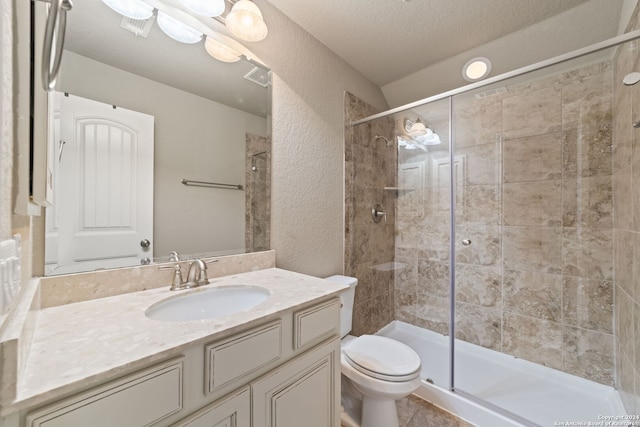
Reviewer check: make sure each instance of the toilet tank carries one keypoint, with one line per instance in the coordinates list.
(346, 298)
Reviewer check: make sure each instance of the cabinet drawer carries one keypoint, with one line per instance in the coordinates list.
(315, 323)
(231, 359)
(136, 400)
(233, 410)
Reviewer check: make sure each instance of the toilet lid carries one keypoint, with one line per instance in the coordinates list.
(382, 358)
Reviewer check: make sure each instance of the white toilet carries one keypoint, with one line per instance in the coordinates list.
(382, 369)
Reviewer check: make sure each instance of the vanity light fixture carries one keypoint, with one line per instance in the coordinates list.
(420, 135)
(476, 69)
(220, 51)
(134, 9)
(210, 8)
(177, 30)
(416, 128)
(245, 21)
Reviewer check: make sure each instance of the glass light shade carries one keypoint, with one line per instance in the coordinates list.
(177, 30)
(133, 9)
(220, 51)
(245, 21)
(208, 8)
(416, 128)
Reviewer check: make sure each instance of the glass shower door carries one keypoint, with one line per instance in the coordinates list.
(533, 245)
(423, 232)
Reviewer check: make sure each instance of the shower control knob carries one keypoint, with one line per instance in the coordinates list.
(466, 242)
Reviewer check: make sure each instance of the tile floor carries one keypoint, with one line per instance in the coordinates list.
(415, 412)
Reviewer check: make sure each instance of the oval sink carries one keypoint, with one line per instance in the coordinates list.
(208, 303)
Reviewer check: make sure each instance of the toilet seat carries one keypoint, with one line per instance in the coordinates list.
(382, 358)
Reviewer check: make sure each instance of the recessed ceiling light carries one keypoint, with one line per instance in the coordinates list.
(476, 69)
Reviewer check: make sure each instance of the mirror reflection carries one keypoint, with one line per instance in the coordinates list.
(136, 115)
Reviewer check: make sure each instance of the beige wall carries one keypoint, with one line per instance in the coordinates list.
(308, 149)
(6, 120)
(626, 220)
(521, 48)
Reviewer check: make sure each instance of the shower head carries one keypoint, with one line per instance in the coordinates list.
(388, 141)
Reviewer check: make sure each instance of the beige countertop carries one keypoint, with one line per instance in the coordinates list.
(84, 343)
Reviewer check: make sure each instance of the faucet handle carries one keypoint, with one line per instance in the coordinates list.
(204, 279)
(177, 283)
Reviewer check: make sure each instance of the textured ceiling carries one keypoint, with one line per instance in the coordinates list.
(390, 39)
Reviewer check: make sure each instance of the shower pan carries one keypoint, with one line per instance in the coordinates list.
(503, 248)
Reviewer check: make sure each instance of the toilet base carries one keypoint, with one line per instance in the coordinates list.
(379, 412)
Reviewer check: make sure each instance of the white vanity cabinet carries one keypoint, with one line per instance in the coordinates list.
(231, 411)
(303, 392)
(284, 372)
(141, 399)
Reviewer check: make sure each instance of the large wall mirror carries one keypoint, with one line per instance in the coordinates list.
(155, 147)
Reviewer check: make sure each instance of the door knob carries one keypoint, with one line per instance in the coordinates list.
(466, 242)
(145, 243)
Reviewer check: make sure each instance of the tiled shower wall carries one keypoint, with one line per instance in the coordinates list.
(370, 166)
(257, 212)
(626, 233)
(534, 196)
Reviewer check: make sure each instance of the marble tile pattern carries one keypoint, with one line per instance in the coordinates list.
(625, 274)
(67, 289)
(119, 338)
(536, 196)
(257, 174)
(370, 166)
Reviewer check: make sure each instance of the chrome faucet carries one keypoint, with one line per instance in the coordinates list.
(176, 283)
(197, 274)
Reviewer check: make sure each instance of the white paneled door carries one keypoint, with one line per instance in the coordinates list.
(103, 199)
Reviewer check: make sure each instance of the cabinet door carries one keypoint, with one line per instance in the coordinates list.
(303, 392)
(231, 411)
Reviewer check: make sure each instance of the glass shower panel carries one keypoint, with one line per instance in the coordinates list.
(423, 228)
(534, 233)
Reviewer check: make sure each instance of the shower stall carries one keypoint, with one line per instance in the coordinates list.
(496, 259)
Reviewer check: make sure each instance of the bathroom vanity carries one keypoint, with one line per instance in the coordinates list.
(103, 362)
